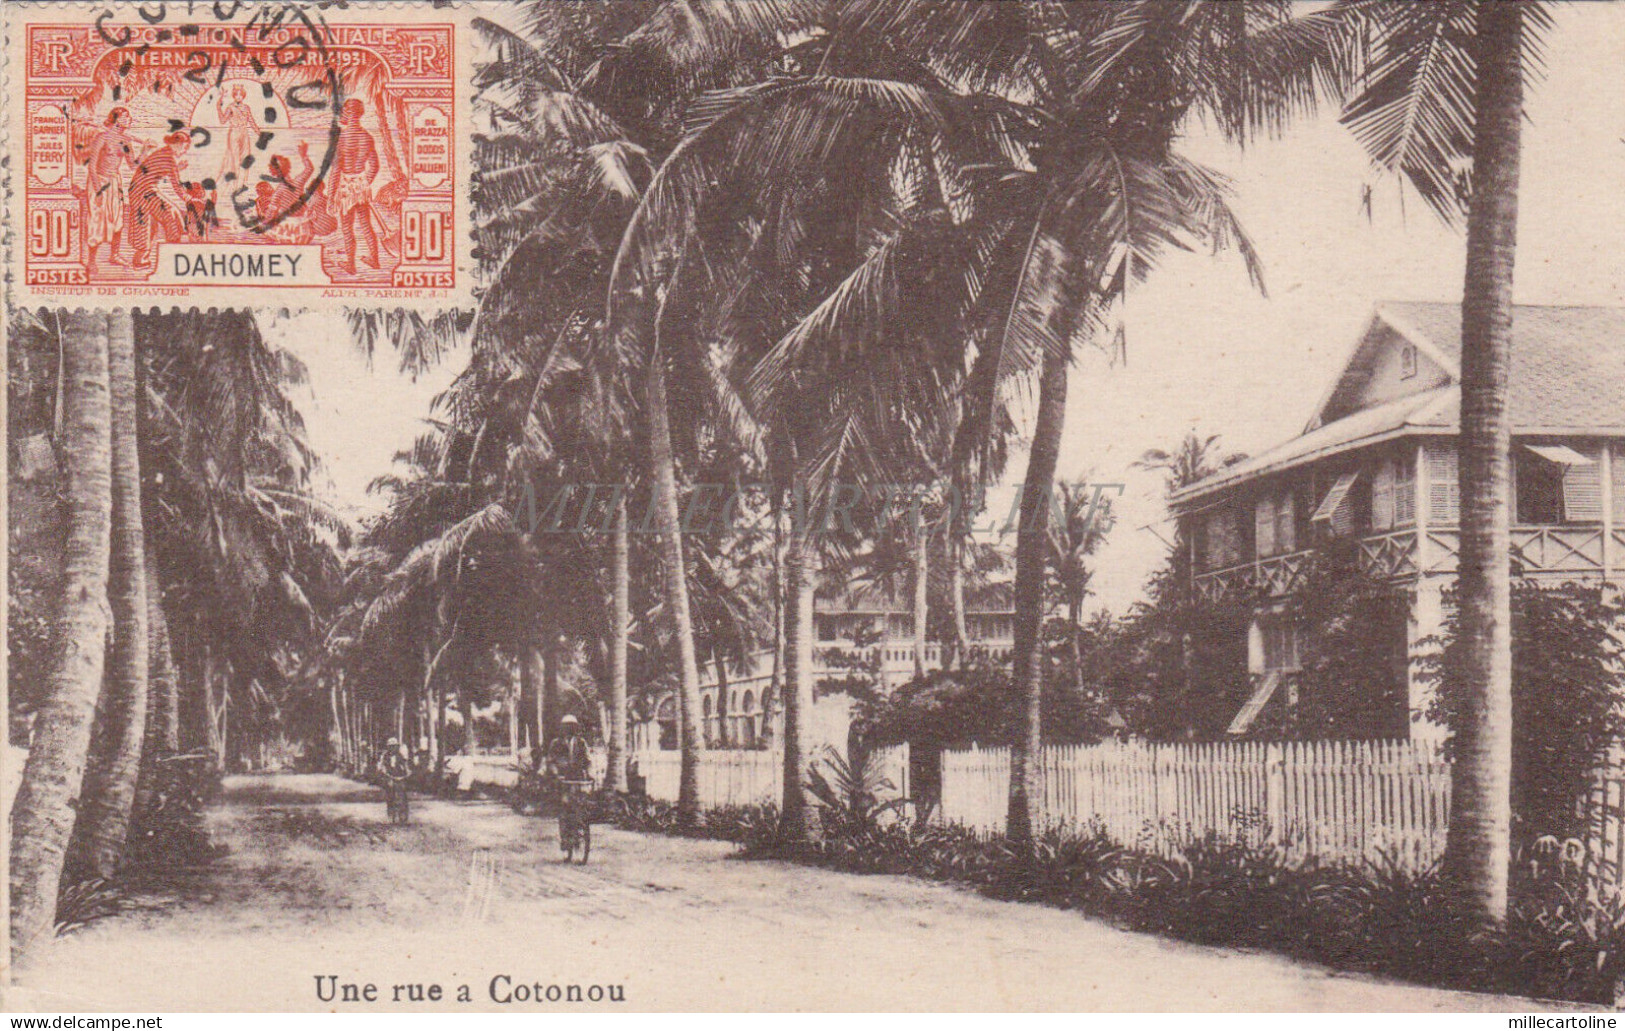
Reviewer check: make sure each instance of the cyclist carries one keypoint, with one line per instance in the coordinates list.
(395, 766)
(569, 763)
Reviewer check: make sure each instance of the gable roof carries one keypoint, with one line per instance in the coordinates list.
(1567, 377)
(1568, 361)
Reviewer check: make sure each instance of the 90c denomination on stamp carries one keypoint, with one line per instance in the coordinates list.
(241, 154)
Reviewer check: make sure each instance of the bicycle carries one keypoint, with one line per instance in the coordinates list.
(575, 820)
(398, 804)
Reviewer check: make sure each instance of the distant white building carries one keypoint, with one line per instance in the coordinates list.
(861, 632)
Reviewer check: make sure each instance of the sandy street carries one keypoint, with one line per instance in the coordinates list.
(318, 892)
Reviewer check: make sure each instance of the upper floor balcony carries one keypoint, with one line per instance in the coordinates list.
(1556, 552)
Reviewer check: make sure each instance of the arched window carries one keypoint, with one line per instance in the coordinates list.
(750, 704)
(707, 705)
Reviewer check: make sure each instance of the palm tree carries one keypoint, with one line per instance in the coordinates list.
(1443, 83)
(581, 97)
(1047, 132)
(117, 737)
(1085, 516)
(43, 814)
(620, 634)
(226, 475)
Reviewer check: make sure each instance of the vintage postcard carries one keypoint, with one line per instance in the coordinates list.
(645, 506)
(225, 154)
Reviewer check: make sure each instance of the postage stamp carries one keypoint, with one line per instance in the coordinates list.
(238, 154)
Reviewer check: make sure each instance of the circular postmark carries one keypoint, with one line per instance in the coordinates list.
(239, 90)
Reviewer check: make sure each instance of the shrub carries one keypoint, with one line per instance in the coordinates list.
(1566, 682)
(1071, 871)
(741, 824)
(1565, 935)
(85, 902)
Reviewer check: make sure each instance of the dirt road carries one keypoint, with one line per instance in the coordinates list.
(318, 892)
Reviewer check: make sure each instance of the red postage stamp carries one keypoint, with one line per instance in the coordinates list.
(239, 154)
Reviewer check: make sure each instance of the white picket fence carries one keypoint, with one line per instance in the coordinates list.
(1334, 800)
(745, 777)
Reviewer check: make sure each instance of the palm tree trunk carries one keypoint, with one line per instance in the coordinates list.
(552, 696)
(163, 681)
(775, 682)
(671, 548)
(956, 556)
(922, 569)
(431, 712)
(42, 817)
(530, 682)
(512, 705)
(440, 703)
(108, 794)
(163, 715)
(800, 579)
(1031, 540)
(1478, 849)
(621, 628)
(465, 707)
(724, 735)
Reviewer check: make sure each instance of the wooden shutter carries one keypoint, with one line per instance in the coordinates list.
(1337, 507)
(1221, 538)
(1444, 489)
(1264, 526)
(1286, 523)
(1582, 490)
(1382, 496)
(1405, 489)
(1619, 484)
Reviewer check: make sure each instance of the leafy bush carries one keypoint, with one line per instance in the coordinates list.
(741, 824)
(975, 702)
(1565, 937)
(1066, 870)
(85, 902)
(850, 792)
(1216, 891)
(1566, 681)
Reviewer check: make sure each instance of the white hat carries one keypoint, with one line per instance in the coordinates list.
(569, 718)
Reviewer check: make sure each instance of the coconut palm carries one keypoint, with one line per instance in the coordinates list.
(1048, 132)
(582, 100)
(121, 718)
(43, 814)
(1083, 517)
(227, 476)
(1440, 101)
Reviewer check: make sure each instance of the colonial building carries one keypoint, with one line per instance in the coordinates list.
(864, 634)
(1376, 468)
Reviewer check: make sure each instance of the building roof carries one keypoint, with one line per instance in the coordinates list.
(1567, 378)
(1568, 362)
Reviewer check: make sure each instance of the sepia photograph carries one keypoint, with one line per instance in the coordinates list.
(670, 506)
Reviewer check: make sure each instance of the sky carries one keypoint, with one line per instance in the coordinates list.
(1204, 350)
